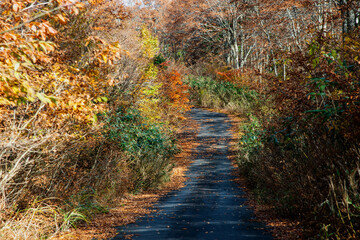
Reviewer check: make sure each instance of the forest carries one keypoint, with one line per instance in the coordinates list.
(93, 94)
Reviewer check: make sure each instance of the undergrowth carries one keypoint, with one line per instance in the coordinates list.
(148, 149)
(207, 92)
(43, 219)
(299, 149)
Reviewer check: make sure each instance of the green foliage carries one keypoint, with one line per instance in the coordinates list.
(160, 60)
(206, 92)
(252, 132)
(72, 218)
(81, 208)
(149, 148)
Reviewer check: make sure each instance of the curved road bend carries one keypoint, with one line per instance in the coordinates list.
(211, 205)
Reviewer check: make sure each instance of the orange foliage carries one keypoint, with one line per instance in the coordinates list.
(36, 68)
(175, 92)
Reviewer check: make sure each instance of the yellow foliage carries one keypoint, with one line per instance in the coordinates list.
(149, 104)
(150, 44)
(151, 72)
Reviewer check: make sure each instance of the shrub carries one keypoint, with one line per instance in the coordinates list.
(148, 149)
(305, 160)
(206, 92)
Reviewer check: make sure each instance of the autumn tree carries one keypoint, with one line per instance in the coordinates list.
(218, 24)
(49, 96)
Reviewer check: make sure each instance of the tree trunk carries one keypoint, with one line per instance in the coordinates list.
(350, 15)
(234, 45)
(284, 74)
(275, 67)
(235, 54)
(242, 52)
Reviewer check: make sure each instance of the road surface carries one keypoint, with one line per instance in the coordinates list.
(211, 205)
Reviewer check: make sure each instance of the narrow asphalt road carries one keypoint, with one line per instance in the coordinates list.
(211, 205)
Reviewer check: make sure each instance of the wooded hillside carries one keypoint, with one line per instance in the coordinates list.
(93, 91)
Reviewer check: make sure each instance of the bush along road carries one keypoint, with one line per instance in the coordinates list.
(211, 205)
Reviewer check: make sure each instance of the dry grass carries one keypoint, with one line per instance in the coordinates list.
(40, 221)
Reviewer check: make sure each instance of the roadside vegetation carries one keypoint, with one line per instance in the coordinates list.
(213, 93)
(89, 112)
(300, 151)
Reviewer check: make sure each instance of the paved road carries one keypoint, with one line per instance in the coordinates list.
(211, 205)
